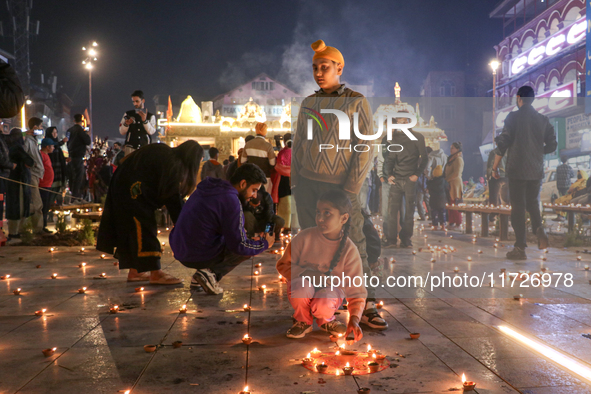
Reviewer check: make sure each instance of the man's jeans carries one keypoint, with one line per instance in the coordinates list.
(307, 192)
(407, 189)
(524, 195)
(422, 197)
(385, 194)
(77, 164)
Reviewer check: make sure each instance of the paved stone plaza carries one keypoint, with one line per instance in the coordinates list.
(100, 352)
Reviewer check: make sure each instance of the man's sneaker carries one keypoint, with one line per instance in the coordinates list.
(46, 230)
(372, 318)
(542, 238)
(299, 330)
(517, 254)
(334, 327)
(207, 280)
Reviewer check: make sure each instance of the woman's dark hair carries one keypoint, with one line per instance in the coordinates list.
(339, 200)
(188, 157)
(287, 139)
(251, 173)
(457, 145)
(15, 137)
(49, 132)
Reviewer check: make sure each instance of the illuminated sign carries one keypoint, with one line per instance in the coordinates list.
(563, 96)
(549, 47)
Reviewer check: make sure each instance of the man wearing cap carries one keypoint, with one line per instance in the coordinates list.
(47, 147)
(315, 171)
(260, 152)
(527, 136)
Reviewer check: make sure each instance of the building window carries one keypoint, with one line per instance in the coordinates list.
(447, 89)
(263, 85)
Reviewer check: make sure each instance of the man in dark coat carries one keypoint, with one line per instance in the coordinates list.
(79, 139)
(12, 97)
(526, 138)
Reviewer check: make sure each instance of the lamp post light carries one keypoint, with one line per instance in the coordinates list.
(91, 57)
(494, 65)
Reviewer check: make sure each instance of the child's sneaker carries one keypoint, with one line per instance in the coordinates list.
(299, 330)
(334, 327)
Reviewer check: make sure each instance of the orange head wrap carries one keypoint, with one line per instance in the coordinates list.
(261, 129)
(324, 52)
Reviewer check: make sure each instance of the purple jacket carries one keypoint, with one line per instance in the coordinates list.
(212, 219)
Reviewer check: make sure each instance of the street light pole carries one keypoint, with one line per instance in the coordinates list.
(494, 65)
(89, 64)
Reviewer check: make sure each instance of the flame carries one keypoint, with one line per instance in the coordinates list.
(315, 350)
(54, 349)
(245, 388)
(308, 356)
(347, 366)
(19, 289)
(337, 373)
(245, 306)
(343, 346)
(337, 353)
(245, 336)
(141, 288)
(84, 288)
(184, 307)
(374, 356)
(368, 348)
(463, 378)
(43, 310)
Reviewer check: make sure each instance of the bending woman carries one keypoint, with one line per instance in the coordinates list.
(147, 179)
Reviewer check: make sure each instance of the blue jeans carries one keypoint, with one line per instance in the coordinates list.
(402, 188)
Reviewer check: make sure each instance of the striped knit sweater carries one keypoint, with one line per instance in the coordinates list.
(343, 167)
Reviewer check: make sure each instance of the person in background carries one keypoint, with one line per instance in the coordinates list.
(437, 157)
(18, 194)
(437, 187)
(47, 147)
(137, 125)
(77, 144)
(260, 152)
(233, 165)
(564, 173)
(282, 184)
(212, 167)
(58, 164)
(118, 154)
(259, 212)
(527, 136)
(453, 175)
(32, 148)
(230, 160)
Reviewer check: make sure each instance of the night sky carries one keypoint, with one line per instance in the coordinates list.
(205, 48)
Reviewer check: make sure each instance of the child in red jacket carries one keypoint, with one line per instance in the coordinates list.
(47, 147)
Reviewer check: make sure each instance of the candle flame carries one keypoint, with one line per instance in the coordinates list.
(54, 349)
(84, 264)
(313, 351)
(245, 306)
(463, 378)
(43, 310)
(337, 373)
(245, 336)
(184, 307)
(323, 363)
(84, 288)
(374, 356)
(19, 289)
(347, 366)
(340, 335)
(343, 346)
(368, 348)
(245, 388)
(308, 356)
(337, 353)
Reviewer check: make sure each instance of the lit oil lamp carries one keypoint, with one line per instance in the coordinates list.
(54, 276)
(468, 385)
(41, 312)
(579, 258)
(380, 305)
(246, 340)
(433, 260)
(256, 273)
(82, 265)
(315, 353)
(17, 291)
(51, 250)
(167, 229)
(392, 260)
(282, 279)
(308, 360)
(103, 275)
(114, 309)
(456, 269)
(82, 290)
(321, 367)
(183, 309)
(371, 351)
(246, 307)
(4, 277)
(258, 265)
(82, 250)
(103, 256)
(49, 352)
(348, 370)
(414, 252)
(263, 287)
(518, 297)
(139, 289)
(496, 245)
(480, 251)
(335, 338)
(469, 258)
(245, 391)
(586, 268)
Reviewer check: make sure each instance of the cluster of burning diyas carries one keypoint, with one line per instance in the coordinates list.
(344, 362)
